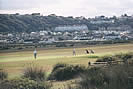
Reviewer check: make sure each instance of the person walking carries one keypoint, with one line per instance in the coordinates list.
(35, 54)
(74, 52)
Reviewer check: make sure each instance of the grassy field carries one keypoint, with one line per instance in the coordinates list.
(15, 62)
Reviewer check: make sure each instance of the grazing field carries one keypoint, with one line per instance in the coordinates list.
(15, 62)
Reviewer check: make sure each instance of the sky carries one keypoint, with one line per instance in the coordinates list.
(76, 8)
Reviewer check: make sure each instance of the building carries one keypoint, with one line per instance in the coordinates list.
(71, 28)
(102, 21)
(35, 14)
(120, 28)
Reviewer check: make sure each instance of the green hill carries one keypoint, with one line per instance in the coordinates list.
(28, 23)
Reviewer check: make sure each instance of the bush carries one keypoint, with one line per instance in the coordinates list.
(23, 84)
(59, 65)
(123, 56)
(65, 72)
(115, 77)
(4, 48)
(35, 73)
(3, 75)
(93, 78)
(93, 56)
(61, 45)
(19, 48)
(106, 59)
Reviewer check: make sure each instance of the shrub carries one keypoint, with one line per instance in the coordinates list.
(65, 72)
(59, 65)
(19, 48)
(4, 48)
(61, 45)
(93, 78)
(106, 59)
(125, 56)
(93, 56)
(23, 84)
(118, 77)
(115, 77)
(3, 75)
(35, 73)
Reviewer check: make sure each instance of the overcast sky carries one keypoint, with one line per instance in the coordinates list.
(87, 8)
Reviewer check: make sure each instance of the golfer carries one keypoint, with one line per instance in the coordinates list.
(35, 53)
(74, 52)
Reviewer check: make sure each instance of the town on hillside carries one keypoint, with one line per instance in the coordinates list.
(73, 32)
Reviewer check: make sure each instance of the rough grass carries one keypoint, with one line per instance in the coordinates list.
(15, 62)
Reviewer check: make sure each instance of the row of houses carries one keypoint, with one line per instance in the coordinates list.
(74, 32)
(71, 28)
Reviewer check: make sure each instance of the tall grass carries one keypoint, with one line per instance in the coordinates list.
(35, 73)
(23, 83)
(3, 74)
(115, 77)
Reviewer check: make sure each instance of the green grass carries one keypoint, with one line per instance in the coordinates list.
(15, 62)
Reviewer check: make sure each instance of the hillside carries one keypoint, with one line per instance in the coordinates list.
(28, 23)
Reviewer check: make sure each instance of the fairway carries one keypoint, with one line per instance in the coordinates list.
(15, 62)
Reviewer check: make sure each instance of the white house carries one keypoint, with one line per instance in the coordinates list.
(71, 28)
